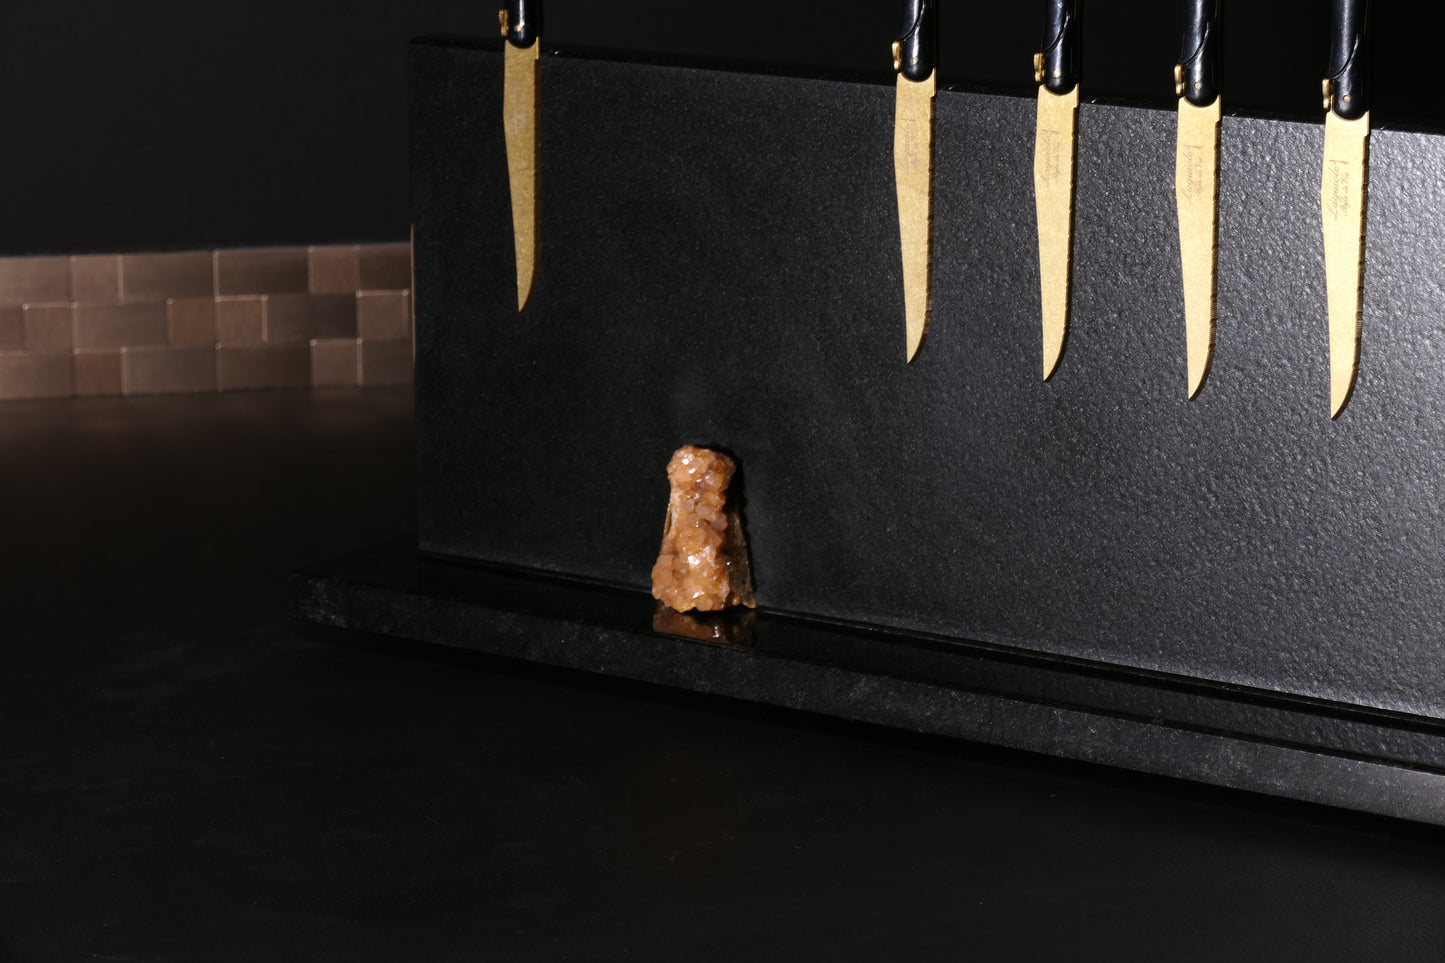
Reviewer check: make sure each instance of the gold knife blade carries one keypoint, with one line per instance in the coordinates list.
(1342, 207)
(1196, 193)
(1054, 140)
(519, 122)
(913, 173)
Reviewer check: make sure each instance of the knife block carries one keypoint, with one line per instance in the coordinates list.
(1234, 589)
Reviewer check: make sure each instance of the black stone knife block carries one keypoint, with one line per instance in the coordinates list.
(1234, 589)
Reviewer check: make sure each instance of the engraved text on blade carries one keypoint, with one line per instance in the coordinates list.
(916, 142)
(1194, 177)
(1052, 144)
(1340, 195)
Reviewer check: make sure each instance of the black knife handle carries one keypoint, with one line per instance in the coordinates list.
(1349, 74)
(1198, 75)
(522, 23)
(1057, 67)
(914, 51)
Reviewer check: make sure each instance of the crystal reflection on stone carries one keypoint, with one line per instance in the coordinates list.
(733, 627)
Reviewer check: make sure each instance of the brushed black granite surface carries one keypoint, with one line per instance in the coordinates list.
(1244, 739)
(720, 266)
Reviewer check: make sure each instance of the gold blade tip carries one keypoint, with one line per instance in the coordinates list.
(1341, 393)
(913, 344)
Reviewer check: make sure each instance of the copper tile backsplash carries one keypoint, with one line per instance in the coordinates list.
(274, 270)
(155, 277)
(200, 321)
(27, 279)
(49, 327)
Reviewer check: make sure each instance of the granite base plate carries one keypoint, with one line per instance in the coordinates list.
(1311, 750)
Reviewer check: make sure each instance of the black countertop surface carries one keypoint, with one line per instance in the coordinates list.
(186, 775)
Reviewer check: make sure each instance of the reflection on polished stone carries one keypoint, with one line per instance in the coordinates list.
(733, 627)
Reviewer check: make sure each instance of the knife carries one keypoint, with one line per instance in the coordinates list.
(1056, 71)
(913, 58)
(1196, 180)
(522, 24)
(1342, 189)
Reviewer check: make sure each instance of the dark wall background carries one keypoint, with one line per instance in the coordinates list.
(172, 124)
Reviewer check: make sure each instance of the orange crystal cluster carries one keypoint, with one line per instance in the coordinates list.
(703, 564)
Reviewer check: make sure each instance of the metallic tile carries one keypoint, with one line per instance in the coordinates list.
(168, 371)
(240, 320)
(333, 316)
(156, 277)
(268, 366)
(12, 328)
(334, 270)
(385, 267)
(25, 279)
(119, 325)
(386, 362)
(97, 373)
(335, 363)
(35, 374)
(273, 270)
(192, 321)
(292, 318)
(381, 315)
(95, 277)
(49, 327)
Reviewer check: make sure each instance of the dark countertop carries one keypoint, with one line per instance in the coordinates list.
(187, 775)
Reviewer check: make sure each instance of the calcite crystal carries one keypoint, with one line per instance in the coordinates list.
(703, 564)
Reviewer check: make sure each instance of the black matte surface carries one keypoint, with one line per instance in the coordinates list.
(716, 269)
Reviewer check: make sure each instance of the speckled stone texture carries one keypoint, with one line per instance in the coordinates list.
(1242, 537)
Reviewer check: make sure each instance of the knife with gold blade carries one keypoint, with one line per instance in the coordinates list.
(1196, 180)
(1056, 71)
(913, 58)
(522, 26)
(1343, 189)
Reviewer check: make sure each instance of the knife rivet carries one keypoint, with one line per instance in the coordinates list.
(502, 19)
(897, 55)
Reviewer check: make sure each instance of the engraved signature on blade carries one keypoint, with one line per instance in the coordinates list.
(915, 139)
(1051, 142)
(1341, 193)
(1194, 175)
